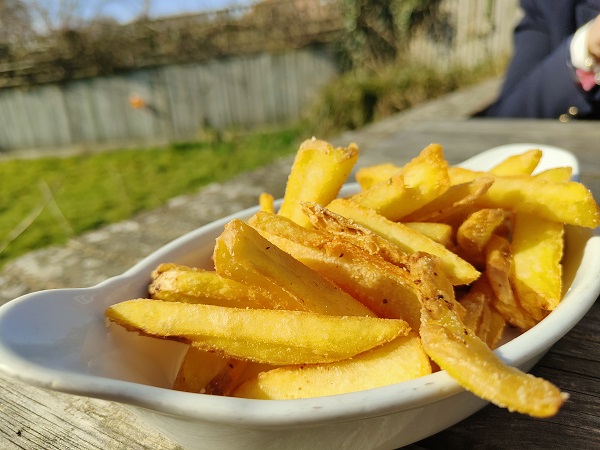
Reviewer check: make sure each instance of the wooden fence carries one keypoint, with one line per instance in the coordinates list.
(176, 102)
(165, 103)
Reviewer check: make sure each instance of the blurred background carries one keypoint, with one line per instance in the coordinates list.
(209, 88)
(84, 72)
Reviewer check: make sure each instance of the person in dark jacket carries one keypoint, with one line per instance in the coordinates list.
(555, 69)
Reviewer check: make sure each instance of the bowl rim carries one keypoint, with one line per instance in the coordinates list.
(302, 412)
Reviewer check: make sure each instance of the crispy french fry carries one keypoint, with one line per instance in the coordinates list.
(480, 315)
(557, 174)
(326, 220)
(520, 164)
(537, 247)
(409, 240)
(492, 326)
(474, 233)
(380, 285)
(467, 359)
(198, 369)
(266, 202)
(234, 373)
(498, 271)
(318, 173)
(368, 177)
(438, 232)
(185, 284)
(473, 303)
(262, 335)
(567, 202)
(420, 181)
(242, 253)
(399, 360)
(453, 201)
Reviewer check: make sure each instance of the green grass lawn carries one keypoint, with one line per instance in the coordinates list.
(45, 201)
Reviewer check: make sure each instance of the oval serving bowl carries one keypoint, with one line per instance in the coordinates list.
(59, 340)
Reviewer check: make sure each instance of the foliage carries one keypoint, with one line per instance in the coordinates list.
(76, 194)
(377, 31)
(362, 96)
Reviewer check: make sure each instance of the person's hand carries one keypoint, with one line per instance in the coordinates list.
(593, 39)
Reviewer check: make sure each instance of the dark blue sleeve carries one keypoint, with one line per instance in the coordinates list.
(539, 82)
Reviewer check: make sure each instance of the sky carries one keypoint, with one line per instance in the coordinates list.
(53, 11)
(125, 11)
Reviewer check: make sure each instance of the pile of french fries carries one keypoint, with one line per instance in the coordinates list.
(425, 268)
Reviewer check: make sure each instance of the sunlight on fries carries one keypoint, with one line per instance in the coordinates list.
(427, 267)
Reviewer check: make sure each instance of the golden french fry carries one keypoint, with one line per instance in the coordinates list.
(557, 174)
(474, 233)
(467, 359)
(453, 201)
(326, 220)
(179, 283)
(269, 336)
(537, 247)
(266, 202)
(419, 182)
(438, 232)
(368, 177)
(198, 369)
(243, 254)
(492, 326)
(567, 202)
(520, 164)
(317, 175)
(381, 286)
(473, 303)
(399, 360)
(498, 272)
(409, 240)
(234, 373)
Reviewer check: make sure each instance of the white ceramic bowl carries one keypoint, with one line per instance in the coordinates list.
(58, 340)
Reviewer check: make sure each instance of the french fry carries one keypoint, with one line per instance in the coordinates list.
(467, 359)
(198, 369)
(492, 326)
(520, 164)
(362, 237)
(242, 253)
(557, 174)
(381, 286)
(537, 247)
(481, 317)
(498, 271)
(185, 284)
(367, 177)
(473, 303)
(266, 202)
(567, 202)
(474, 233)
(318, 173)
(420, 181)
(234, 373)
(438, 232)
(453, 201)
(268, 336)
(409, 240)
(399, 360)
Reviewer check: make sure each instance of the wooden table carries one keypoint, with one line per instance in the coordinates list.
(31, 418)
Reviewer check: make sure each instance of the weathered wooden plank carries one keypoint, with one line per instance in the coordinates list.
(32, 418)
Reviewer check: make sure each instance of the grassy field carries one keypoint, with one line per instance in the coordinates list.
(45, 201)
